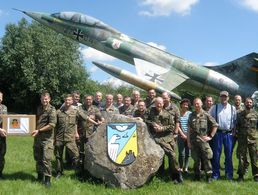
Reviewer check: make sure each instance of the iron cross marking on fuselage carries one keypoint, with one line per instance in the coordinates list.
(154, 77)
(78, 33)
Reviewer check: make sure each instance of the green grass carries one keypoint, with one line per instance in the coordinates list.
(20, 176)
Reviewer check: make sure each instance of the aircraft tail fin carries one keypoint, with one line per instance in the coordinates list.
(243, 70)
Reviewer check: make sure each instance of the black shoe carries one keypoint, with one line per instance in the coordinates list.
(180, 178)
(240, 178)
(208, 179)
(197, 177)
(40, 177)
(47, 182)
(256, 178)
(1, 176)
(58, 175)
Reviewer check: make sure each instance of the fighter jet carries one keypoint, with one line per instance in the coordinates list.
(161, 70)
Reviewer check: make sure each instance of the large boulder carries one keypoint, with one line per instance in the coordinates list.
(140, 162)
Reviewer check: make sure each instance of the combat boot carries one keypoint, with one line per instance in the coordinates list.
(197, 177)
(240, 178)
(58, 175)
(180, 177)
(47, 182)
(1, 175)
(40, 177)
(208, 178)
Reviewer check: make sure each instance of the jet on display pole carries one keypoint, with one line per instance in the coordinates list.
(155, 68)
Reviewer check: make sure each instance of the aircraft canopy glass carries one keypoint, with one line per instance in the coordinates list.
(81, 19)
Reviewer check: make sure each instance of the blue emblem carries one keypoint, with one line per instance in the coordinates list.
(122, 142)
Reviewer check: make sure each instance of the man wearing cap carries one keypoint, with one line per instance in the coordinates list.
(225, 115)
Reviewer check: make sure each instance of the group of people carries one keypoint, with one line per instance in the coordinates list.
(200, 133)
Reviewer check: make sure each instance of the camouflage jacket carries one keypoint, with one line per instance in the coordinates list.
(108, 112)
(66, 125)
(3, 110)
(149, 102)
(85, 127)
(172, 108)
(201, 124)
(46, 116)
(164, 118)
(143, 115)
(127, 111)
(247, 124)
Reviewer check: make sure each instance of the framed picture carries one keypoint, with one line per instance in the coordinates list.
(19, 124)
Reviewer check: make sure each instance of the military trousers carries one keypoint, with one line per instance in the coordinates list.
(72, 150)
(201, 153)
(43, 155)
(2, 153)
(169, 148)
(242, 149)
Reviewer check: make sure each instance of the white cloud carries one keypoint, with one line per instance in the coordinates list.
(162, 47)
(114, 82)
(94, 55)
(166, 7)
(93, 69)
(210, 64)
(250, 4)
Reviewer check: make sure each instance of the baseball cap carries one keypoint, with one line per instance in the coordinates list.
(223, 93)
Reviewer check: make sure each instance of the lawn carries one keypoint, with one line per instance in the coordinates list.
(20, 176)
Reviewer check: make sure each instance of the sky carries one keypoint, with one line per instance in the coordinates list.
(202, 31)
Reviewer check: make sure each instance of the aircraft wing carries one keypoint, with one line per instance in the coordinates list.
(168, 78)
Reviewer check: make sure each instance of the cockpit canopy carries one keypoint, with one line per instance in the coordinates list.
(82, 19)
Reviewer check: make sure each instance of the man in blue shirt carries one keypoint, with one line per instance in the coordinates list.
(225, 115)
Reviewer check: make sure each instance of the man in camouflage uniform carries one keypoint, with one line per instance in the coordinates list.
(127, 109)
(247, 121)
(150, 99)
(43, 138)
(163, 125)
(86, 127)
(66, 134)
(109, 109)
(3, 110)
(202, 128)
(239, 108)
(171, 108)
(141, 112)
(208, 103)
(136, 97)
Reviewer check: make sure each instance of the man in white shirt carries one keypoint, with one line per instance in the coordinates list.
(225, 115)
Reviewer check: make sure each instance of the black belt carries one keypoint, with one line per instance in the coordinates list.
(224, 130)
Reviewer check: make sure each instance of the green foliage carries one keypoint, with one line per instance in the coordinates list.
(20, 177)
(34, 58)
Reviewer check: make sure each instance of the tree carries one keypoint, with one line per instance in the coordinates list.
(34, 58)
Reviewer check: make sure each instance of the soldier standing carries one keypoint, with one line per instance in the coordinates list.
(66, 134)
(127, 109)
(208, 103)
(86, 127)
(239, 108)
(163, 125)
(98, 100)
(109, 108)
(136, 97)
(3, 110)
(247, 121)
(119, 100)
(141, 112)
(150, 99)
(200, 123)
(43, 139)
